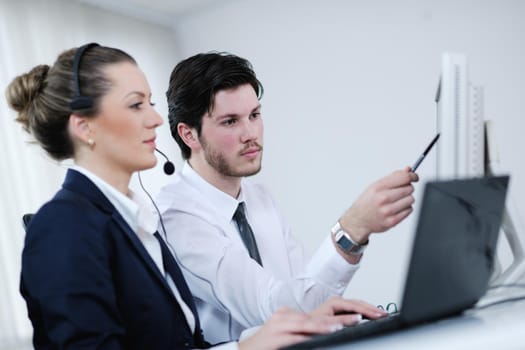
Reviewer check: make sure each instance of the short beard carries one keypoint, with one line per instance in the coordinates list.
(219, 163)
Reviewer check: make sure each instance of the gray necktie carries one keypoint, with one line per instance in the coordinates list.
(246, 233)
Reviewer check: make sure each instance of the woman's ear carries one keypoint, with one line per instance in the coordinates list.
(189, 136)
(80, 130)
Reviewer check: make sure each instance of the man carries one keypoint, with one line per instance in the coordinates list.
(214, 215)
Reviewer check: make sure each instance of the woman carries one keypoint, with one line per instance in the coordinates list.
(95, 274)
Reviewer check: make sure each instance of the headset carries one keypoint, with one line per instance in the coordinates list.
(80, 101)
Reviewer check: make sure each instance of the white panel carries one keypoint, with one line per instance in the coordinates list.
(475, 132)
(451, 118)
(460, 150)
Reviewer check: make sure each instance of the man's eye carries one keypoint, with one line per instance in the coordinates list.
(229, 121)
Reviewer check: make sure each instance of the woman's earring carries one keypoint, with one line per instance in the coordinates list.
(91, 142)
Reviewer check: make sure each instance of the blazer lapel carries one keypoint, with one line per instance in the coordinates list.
(146, 258)
(80, 184)
(172, 267)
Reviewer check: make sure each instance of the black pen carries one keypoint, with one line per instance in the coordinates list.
(422, 156)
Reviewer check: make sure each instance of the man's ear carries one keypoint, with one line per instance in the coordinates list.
(189, 136)
(79, 128)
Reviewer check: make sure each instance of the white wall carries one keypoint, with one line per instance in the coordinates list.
(34, 32)
(349, 97)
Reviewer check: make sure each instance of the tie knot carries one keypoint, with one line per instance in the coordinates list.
(239, 212)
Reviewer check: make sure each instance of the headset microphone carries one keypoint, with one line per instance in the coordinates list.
(169, 168)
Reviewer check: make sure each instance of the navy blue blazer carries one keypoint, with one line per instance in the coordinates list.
(89, 282)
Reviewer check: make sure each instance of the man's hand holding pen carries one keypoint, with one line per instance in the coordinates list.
(381, 206)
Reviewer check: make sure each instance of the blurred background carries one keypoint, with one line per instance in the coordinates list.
(349, 98)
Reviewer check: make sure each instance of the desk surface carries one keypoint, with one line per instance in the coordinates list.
(496, 327)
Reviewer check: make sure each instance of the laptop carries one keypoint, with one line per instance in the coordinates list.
(452, 258)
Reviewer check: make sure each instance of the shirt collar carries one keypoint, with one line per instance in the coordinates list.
(135, 210)
(224, 204)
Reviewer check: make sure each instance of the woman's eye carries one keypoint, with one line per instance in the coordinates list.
(136, 105)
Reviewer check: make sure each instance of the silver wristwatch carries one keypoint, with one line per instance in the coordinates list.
(345, 242)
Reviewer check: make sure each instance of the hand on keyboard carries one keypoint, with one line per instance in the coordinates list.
(348, 312)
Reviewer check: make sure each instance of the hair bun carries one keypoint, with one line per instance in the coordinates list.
(24, 89)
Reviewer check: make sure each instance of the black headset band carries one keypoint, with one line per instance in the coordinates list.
(79, 101)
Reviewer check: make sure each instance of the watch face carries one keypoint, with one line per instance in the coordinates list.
(345, 244)
(349, 247)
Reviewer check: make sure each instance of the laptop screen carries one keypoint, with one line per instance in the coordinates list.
(454, 247)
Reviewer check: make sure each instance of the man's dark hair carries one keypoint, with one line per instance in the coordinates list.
(194, 83)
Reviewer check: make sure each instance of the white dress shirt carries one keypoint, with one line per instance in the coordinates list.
(143, 220)
(232, 291)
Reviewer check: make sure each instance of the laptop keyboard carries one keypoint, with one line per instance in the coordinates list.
(361, 330)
